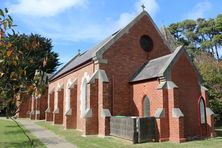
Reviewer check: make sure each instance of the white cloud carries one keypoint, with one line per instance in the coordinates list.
(44, 7)
(69, 29)
(32, 13)
(151, 6)
(124, 19)
(199, 10)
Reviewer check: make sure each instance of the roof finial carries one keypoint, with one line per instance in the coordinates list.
(143, 7)
(79, 51)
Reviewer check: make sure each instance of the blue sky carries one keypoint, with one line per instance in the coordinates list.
(80, 24)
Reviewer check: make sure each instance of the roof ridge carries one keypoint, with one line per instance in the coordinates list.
(168, 62)
(159, 58)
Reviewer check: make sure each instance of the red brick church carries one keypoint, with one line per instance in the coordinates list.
(133, 72)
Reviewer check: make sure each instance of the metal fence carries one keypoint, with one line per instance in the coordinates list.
(135, 129)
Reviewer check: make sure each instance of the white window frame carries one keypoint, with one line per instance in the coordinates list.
(84, 107)
(56, 100)
(67, 105)
(59, 87)
(69, 86)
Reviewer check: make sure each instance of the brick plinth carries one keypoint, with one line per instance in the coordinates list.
(210, 126)
(43, 105)
(71, 119)
(32, 115)
(177, 130)
(104, 103)
(58, 113)
(49, 116)
(37, 109)
(24, 107)
(37, 117)
(176, 121)
(57, 118)
(92, 122)
(49, 113)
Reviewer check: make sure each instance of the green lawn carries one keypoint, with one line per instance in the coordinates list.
(75, 137)
(12, 136)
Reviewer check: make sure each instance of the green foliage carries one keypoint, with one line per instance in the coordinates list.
(12, 136)
(211, 72)
(25, 61)
(74, 136)
(200, 34)
(38, 51)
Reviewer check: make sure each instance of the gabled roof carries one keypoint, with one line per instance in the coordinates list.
(156, 67)
(151, 69)
(96, 52)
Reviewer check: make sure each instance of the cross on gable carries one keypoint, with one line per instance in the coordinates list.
(143, 7)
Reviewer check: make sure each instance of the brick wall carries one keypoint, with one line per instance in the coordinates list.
(184, 76)
(158, 99)
(89, 69)
(43, 105)
(92, 123)
(58, 116)
(24, 107)
(71, 120)
(49, 114)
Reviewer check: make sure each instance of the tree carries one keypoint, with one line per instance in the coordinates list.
(200, 34)
(24, 62)
(211, 72)
(38, 51)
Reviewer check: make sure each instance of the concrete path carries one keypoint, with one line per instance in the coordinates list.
(50, 139)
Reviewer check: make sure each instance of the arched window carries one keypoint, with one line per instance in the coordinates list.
(202, 111)
(146, 107)
(84, 96)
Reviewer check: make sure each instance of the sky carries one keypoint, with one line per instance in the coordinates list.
(79, 24)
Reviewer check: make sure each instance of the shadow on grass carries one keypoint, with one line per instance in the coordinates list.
(219, 133)
(13, 132)
(24, 144)
(19, 131)
(11, 126)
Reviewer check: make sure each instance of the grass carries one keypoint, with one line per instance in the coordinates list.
(12, 136)
(75, 137)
